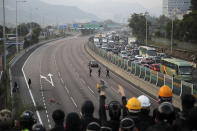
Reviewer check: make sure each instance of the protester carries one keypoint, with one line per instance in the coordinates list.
(87, 110)
(182, 120)
(73, 122)
(93, 126)
(165, 95)
(146, 119)
(5, 119)
(38, 127)
(27, 120)
(114, 109)
(127, 124)
(58, 117)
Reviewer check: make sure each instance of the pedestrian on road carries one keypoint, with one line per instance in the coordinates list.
(90, 70)
(15, 89)
(99, 72)
(107, 74)
(29, 82)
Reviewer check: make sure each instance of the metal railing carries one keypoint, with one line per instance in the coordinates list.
(178, 87)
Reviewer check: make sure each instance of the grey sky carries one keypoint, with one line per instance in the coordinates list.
(113, 9)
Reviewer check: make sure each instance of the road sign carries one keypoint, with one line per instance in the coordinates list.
(63, 26)
(75, 26)
(14, 43)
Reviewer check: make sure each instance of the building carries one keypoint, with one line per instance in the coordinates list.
(176, 8)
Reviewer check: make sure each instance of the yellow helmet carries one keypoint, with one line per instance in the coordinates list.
(133, 104)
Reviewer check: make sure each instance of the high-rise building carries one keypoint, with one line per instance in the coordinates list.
(176, 7)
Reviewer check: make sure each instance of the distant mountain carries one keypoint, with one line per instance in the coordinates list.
(45, 13)
(119, 11)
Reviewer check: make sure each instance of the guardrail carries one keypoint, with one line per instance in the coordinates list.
(178, 87)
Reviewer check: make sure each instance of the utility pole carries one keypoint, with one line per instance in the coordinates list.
(146, 14)
(4, 39)
(16, 29)
(172, 33)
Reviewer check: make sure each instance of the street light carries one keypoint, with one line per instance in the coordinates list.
(172, 30)
(4, 40)
(146, 14)
(17, 24)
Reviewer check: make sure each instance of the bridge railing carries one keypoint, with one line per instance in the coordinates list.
(178, 87)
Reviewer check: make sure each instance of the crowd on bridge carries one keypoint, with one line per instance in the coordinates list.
(132, 114)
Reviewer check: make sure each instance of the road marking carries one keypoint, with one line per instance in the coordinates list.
(73, 101)
(31, 95)
(50, 81)
(66, 89)
(62, 81)
(91, 90)
(59, 74)
(83, 81)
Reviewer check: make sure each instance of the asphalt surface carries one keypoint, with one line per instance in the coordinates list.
(67, 61)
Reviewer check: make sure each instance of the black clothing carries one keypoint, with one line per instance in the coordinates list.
(29, 81)
(73, 122)
(90, 71)
(177, 110)
(85, 120)
(182, 120)
(87, 110)
(145, 122)
(142, 121)
(113, 124)
(99, 72)
(107, 75)
(58, 128)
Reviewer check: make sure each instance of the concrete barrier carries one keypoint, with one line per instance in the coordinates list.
(140, 84)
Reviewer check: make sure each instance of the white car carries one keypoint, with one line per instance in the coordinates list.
(139, 57)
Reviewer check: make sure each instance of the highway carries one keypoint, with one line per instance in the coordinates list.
(60, 79)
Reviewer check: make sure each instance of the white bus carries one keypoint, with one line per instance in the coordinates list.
(146, 51)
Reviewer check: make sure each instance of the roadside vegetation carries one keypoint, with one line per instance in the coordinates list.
(184, 30)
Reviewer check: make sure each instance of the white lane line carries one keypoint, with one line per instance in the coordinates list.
(114, 89)
(31, 95)
(59, 74)
(66, 89)
(62, 81)
(83, 81)
(73, 101)
(91, 90)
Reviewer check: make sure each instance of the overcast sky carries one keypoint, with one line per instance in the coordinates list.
(113, 8)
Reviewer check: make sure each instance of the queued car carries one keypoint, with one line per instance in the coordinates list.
(155, 67)
(139, 57)
(93, 63)
(149, 62)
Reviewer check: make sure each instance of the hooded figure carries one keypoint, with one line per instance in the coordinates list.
(58, 117)
(87, 110)
(73, 122)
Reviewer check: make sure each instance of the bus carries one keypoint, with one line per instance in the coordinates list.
(177, 68)
(146, 51)
(11, 37)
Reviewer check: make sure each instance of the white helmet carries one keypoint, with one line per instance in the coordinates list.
(145, 102)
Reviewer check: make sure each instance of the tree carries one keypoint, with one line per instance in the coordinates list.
(23, 29)
(7, 30)
(193, 5)
(35, 34)
(138, 24)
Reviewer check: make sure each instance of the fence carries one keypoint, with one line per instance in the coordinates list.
(178, 87)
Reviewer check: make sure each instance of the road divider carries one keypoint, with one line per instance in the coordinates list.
(141, 84)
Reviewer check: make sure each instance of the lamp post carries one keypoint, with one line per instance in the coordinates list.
(4, 39)
(17, 24)
(146, 13)
(172, 30)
